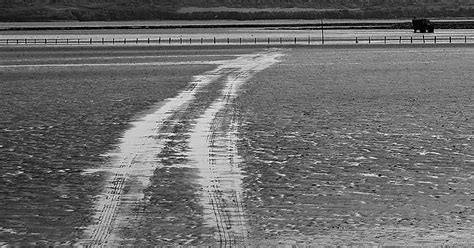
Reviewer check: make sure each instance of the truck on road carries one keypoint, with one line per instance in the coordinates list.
(423, 25)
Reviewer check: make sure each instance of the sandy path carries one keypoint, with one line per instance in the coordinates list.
(213, 152)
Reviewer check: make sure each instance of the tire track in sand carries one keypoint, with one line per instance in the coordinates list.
(213, 150)
(132, 165)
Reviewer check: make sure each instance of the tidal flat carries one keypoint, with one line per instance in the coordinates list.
(336, 145)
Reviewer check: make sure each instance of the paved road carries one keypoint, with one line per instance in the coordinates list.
(234, 36)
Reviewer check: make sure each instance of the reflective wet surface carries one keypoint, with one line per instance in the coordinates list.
(238, 146)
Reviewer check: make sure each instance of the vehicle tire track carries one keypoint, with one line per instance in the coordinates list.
(135, 159)
(213, 144)
(213, 151)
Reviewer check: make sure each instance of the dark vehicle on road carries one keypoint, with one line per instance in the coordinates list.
(423, 25)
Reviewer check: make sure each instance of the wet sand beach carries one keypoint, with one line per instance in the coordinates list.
(237, 145)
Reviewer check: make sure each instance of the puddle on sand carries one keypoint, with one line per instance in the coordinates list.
(213, 150)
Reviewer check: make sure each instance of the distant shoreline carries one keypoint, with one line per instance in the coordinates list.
(275, 24)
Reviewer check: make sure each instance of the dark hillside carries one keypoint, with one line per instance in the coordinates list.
(104, 10)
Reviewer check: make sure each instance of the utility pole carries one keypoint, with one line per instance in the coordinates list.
(322, 31)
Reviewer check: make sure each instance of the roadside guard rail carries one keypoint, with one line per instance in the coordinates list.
(235, 41)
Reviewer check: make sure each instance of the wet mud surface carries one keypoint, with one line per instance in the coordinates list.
(238, 147)
(360, 147)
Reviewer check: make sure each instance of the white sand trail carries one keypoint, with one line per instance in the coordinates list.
(213, 152)
(213, 148)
